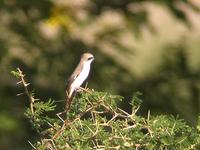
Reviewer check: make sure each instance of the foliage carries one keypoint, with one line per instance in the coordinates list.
(146, 45)
(96, 122)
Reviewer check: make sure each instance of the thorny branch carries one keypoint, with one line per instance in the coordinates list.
(78, 117)
(67, 123)
(51, 143)
(107, 122)
(25, 85)
(92, 109)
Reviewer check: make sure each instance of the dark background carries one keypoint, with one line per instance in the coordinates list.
(147, 46)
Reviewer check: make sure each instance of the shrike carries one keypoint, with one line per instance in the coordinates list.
(77, 78)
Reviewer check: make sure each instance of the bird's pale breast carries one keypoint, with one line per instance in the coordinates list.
(82, 76)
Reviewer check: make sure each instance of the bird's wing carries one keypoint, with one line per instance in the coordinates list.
(74, 75)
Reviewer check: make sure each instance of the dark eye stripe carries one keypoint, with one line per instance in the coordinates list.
(90, 58)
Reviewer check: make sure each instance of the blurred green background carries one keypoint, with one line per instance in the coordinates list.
(150, 46)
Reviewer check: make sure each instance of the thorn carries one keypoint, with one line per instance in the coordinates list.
(36, 99)
(148, 115)
(58, 115)
(20, 94)
(50, 124)
(62, 100)
(27, 84)
(86, 85)
(32, 145)
(19, 82)
(124, 112)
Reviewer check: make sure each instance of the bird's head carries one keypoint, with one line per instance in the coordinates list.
(87, 57)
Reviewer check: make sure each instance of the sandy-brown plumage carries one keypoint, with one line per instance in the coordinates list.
(77, 75)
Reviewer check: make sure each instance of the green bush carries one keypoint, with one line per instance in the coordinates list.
(96, 122)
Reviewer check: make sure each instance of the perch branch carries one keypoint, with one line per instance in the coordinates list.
(25, 85)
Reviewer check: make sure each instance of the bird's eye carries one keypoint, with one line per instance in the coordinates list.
(90, 58)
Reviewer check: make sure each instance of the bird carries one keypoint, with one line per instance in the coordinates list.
(77, 78)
